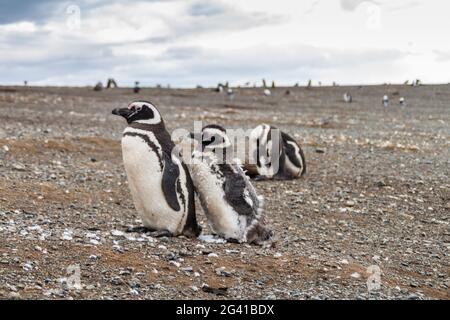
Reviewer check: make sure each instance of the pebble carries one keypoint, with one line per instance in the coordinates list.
(27, 267)
(67, 235)
(355, 275)
(350, 203)
(223, 272)
(117, 248)
(211, 239)
(117, 233)
(18, 167)
(14, 295)
(175, 263)
(187, 269)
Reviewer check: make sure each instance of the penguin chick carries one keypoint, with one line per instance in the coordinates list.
(229, 200)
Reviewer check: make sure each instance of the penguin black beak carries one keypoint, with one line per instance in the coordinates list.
(123, 112)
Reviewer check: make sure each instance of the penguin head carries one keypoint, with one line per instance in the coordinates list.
(214, 137)
(140, 112)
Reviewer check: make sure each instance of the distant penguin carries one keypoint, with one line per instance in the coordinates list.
(98, 86)
(136, 88)
(402, 101)
(385, 101)
(348, 97)
(159, 182)
(230, 93)
(231, 204)
(276, 153)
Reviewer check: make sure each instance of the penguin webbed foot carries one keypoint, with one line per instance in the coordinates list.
(259, 178)
(233, 240)
(160, 234)
(192, 232)
(283, 177)
(139, 229)
(151, 232)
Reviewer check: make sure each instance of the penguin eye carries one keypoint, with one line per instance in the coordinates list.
(138, 109)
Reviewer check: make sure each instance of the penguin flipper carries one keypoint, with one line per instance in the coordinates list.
(234, 189)
(171, 174)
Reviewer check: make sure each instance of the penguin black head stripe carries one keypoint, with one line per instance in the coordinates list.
(140, 112)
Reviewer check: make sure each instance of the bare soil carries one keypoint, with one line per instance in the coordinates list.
(376, 193)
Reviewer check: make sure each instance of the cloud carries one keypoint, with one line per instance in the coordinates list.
(351, 5)
(185, 43)
(26, 10)
(206, 9)
(442, 56)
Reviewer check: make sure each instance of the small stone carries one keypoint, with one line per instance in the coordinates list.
(355, 275)
(134, 292)
(117, 248)
(213, 255)
(176, 264)
(223, 272)
(117, 233)
(187, 269)
(14, 295)
(18, 167)
(350, 203)
(117, 281)
(277, 255)
(27, 267)
(343, 261)
(124, 272)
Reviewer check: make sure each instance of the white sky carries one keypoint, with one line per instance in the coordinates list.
(185, 43)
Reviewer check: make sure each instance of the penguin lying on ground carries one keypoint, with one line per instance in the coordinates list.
(160, 183)
(231, 204)
(276, 153)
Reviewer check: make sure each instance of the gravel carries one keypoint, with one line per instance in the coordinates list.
(377, 193)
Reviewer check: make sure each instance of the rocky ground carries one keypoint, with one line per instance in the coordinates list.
(375, 201)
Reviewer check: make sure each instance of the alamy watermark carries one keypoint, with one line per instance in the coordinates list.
(374, 279)
(73, 17)
(252, 146)
(73, 277)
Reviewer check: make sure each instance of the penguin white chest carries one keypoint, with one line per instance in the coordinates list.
(223, 219)
(143, 166)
